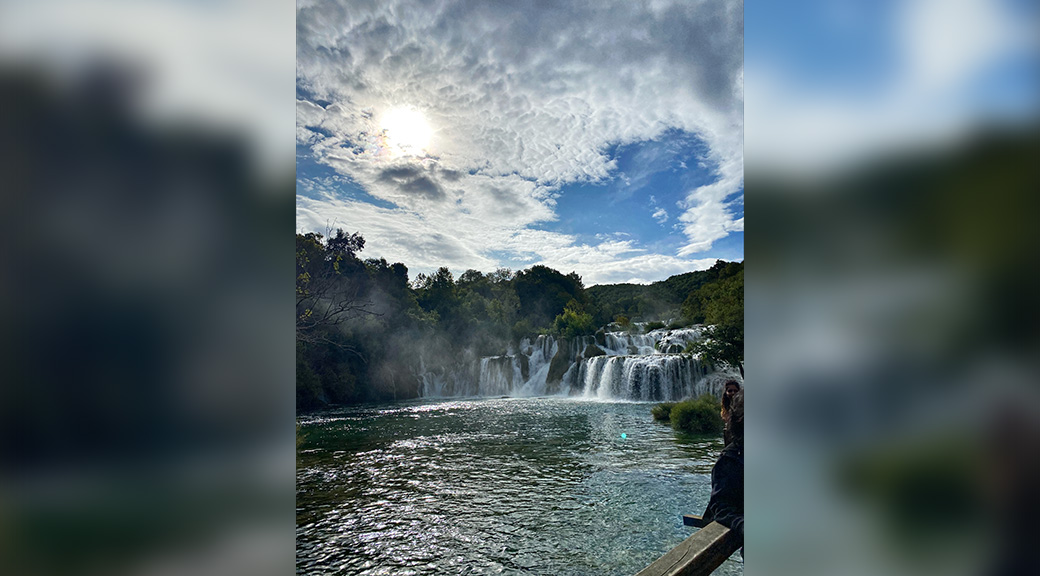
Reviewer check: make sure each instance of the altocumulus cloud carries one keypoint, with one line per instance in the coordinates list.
(521, 103)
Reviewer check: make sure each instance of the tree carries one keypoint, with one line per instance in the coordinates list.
(328, 288)
(722, 305)
(721, 344)
(438, 293)
(500, 275)
(573, 322)
(544, 293)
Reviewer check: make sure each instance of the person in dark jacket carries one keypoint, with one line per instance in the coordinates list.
(726, 505)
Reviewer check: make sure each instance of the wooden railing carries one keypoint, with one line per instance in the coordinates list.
(699, 554)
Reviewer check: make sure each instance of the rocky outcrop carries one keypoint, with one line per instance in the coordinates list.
(592, 350)
(560, 363)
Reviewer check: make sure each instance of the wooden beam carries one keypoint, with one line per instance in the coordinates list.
(695, 521)
(698, 555)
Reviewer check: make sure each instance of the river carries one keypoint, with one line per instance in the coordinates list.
(552, 486)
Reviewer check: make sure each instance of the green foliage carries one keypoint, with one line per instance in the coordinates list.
(523, 329)
(720, 303)
(544, 293)
(329, 282)
(717, 295)
(699, 416)
(308, 388)
(655, 301)
(650, 326)
(662, 412)
(437, 292)
(362, 326)
(573, 322)
(722, 343)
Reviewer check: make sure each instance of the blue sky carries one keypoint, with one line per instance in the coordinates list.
(604, 139)
(837, 82)
(641, 200)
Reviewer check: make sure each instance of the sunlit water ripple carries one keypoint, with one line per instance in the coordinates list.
(495, 486)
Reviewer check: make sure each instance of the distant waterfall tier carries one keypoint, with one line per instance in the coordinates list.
(608, 366)
(652, 377)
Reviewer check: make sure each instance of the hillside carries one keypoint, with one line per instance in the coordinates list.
(659, 301)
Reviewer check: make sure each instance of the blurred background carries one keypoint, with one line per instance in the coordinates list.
(146, 197)
(892, 170)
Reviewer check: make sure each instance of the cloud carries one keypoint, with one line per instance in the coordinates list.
(708, 216)
(521, 103)
(412, 179)
(660, 215)
(423, 243)
(308, 113)
(932, 89)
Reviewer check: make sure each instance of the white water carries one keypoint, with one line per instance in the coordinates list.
(646, 367)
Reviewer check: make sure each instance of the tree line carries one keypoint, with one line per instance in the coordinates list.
(364, 330)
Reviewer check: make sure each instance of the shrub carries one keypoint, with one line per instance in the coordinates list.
(662, 411)
(676, 325)
(700, 416)
(650, 326)
(573, 322)
(523, 329)
(309, 394)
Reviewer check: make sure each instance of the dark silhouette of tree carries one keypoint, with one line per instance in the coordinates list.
(329, 288)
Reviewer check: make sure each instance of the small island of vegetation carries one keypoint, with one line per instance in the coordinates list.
(693, 416)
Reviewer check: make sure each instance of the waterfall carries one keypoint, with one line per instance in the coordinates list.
(498, 375)
(650, 377)
(609, 366)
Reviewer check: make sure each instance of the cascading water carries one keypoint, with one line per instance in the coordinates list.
(609, 366)
(498, 375)
(650, 377)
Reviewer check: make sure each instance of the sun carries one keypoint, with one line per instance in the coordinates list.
(406, 130)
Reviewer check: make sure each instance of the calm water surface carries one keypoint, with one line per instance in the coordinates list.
(495, 486)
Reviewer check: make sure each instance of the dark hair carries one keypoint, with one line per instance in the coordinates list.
(726, 400)
(736, 417)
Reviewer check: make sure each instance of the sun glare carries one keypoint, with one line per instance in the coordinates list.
(406, 130)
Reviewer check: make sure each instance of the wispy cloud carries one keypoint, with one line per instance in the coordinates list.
(708, 216)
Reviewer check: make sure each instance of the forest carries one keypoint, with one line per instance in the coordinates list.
(364, 329)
